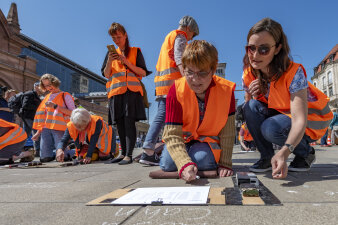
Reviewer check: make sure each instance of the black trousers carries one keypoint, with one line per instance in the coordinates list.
(127, 133)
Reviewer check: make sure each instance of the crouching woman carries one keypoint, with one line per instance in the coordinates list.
(84, 128)
(200, 124)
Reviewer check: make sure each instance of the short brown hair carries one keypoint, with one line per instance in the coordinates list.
(52, 79)
(201, 54)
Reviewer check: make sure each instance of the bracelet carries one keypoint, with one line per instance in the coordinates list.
(55, 106)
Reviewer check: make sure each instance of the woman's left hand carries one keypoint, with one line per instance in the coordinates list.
(123, 59)
(87, 160)
(50, 104)
(224, 172)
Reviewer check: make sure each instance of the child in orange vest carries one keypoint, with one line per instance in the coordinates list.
(286, 110)
(199, 131)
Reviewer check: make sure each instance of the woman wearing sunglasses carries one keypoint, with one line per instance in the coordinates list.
(199, 131)
(286, 109)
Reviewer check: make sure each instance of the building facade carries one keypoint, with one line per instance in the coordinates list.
(326, 76)
(220, 71)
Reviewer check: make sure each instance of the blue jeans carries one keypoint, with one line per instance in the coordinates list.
(28, 127)
(268, 126)
(49, 142)
(324, 138)
(200, 153)
(156, 125)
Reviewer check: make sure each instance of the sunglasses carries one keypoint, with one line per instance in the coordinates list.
(262, 49)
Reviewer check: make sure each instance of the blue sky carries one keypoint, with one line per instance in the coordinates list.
(77, 29)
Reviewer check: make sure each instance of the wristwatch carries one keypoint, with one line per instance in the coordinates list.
(290, 147)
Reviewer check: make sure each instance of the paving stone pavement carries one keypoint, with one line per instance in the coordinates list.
(58, 195)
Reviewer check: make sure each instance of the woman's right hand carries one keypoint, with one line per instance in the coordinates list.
(189, 173)
(60, 155)
(254, 88)
(112, 56)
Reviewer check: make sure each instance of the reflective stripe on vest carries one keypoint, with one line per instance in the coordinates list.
(167, 71)
(164, 83)
(218, 106)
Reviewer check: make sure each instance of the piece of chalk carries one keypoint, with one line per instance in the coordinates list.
(197, 177)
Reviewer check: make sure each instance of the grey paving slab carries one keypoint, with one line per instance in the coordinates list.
(59, 195)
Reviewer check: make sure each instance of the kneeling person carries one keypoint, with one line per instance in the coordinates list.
(85, 128)
(199, 131)
(12, 141)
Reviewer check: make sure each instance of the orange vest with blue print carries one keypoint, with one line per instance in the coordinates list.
(122, 78)
(105, 138)
(46, 118)
(319, 114)
(166, 69)
(15, 135)
(215, 117)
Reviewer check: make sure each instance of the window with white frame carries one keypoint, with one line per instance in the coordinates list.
(330, 91)
(329, 77)
(324, 82)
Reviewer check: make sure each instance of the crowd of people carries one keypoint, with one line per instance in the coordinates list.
(195, 107)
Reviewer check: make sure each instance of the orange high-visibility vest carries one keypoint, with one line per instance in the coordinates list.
(319, 113)
(54, 122)
(15, 135)
(122, 78)
(105, 138)
(215, 117)
(166, 69)
(247, 136)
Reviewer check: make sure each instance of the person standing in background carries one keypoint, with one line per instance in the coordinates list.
(52, 116)
(124, 68)
(168, 69)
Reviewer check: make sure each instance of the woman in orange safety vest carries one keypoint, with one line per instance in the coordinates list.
(52, 116)
(286, 109)
(199, 132)
(124, 69)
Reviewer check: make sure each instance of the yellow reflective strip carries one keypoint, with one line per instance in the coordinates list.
(167, 71)
(164, 83)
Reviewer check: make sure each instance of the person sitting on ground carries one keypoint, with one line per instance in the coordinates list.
(334, 127)
(199, 131)
(246, 140)
(12, 141)
(93, 130)
(52, 116)
(287, 110)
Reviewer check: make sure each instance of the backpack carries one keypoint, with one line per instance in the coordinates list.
(15, 103)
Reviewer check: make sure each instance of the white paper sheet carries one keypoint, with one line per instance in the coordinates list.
(168, 195)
